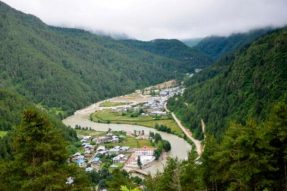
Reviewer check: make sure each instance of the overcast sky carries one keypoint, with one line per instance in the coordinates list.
(150, 19)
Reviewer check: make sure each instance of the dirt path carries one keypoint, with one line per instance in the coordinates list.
(197, 143)
(187, 132)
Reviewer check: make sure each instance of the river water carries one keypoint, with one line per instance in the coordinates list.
(179, 147)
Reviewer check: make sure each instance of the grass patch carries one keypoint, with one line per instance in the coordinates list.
(89, 132)
(112, 104)
(108, 116)
(131, 142)
(3, 133)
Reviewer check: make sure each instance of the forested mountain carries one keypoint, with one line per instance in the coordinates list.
(173, 49)
(217, 46)
(71, 68)
(12, 106)
(248, 157)
(242, 85)
(243, 101)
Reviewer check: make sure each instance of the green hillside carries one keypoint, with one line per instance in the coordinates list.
(243, 101)
(242, 85)
(173, 49)
(12, 106)
(217, 46)
(70, 68)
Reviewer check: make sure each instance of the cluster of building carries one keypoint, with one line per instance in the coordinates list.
(156, 104)
(108, 138)
(90, 158)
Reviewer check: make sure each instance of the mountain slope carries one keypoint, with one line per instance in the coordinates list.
(216, 46)
(173, 49)
(11, 107)
(71, 68)
(243, 85)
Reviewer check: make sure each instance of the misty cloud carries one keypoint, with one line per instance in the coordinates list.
(149, 19)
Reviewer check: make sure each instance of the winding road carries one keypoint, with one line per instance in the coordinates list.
(197, 143)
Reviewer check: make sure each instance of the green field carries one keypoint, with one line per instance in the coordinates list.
(131, 142)
(3, 133)
(108, 116)
(89, 132)
(112, 104)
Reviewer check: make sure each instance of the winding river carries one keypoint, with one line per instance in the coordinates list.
(179, 147)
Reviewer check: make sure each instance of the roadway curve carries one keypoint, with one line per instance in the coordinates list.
(197, 143)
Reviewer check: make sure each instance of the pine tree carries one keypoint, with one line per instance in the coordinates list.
(39, 158)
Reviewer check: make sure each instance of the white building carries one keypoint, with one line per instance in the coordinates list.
(120, 158)
(145, 151)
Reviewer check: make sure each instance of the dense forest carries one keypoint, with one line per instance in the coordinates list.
(243, 101)
(70, 68)
(12, 106)
(38, 159)
(173, 49)
(217, 46)
(249, 157)
(241, 85)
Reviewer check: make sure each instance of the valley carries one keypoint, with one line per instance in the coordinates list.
(202, 106)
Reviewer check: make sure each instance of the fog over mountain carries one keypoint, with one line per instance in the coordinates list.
(146, 20)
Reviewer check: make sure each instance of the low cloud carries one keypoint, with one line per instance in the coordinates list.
(150, 19)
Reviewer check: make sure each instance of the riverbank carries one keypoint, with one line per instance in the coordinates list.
(179, 147)
(109, 116)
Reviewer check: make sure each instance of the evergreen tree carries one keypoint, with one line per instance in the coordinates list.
(40, 158)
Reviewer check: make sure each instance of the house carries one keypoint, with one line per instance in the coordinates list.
(95, 160)
(85, 139)
(114, 151)
(77, 156)
(70, 180)
(145, 151)
(103, 139)
(101, 148)
(158, 112)
(89, 169)
(124, 148)
(115, 139)
(89, 147)
(87, 152)
(145, 160)
(81, 163)
(120, 158)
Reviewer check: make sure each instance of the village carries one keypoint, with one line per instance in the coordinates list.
(155, 104)
(108, 150)
(133, 151)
